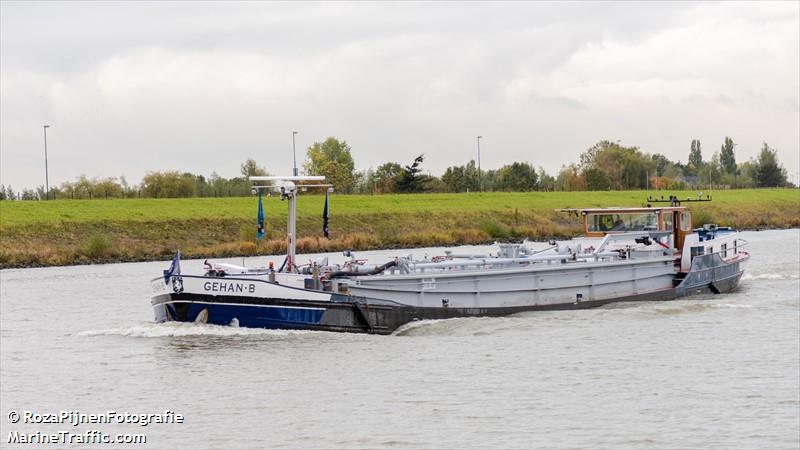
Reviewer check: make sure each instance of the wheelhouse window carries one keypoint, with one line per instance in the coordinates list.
(621, 222)
(667, 217)
(686, 221)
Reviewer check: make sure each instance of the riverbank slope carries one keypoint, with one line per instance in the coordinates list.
(62, 232)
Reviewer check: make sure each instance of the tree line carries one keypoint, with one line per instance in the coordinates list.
(166, 184)
(604, 166)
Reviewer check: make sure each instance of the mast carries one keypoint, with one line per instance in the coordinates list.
(287, 189)
(291, 230)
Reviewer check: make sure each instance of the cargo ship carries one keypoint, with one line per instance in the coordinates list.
(649, 253)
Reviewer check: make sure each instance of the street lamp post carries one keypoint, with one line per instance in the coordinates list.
(734, 166)
(46, 175)
(294, 153)
(480, 178)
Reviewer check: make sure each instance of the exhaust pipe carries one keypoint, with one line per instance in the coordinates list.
(375, 271)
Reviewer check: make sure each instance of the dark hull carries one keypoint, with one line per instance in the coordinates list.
(251, 312)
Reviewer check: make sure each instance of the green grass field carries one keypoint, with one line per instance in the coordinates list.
(31, 213)
(82, 231)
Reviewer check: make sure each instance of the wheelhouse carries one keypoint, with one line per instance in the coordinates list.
(602, 221)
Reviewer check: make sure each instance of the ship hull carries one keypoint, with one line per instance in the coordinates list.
(356, 315)
(382, 304)
(374, 309)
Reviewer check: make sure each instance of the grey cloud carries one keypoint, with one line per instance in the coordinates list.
(131, 87)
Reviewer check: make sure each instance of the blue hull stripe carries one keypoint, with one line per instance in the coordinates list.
(261, 306)
(247, 315)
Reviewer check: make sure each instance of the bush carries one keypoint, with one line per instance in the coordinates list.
(495, 230)
(96, 246)
(701, 217)
(247, 233)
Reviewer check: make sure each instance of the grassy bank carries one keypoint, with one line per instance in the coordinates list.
(84, 231)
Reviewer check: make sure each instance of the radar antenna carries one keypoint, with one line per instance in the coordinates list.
(673, 200)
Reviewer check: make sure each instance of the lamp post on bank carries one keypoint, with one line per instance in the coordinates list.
(735, 169)
(480, 178)
(46, 175)
(294, 153)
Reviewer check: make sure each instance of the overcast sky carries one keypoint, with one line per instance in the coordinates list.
(134, 87)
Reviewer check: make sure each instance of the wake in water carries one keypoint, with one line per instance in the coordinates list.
(181, 329)
(672, 310)
(477, 326)
(460, 326)
(770, 276)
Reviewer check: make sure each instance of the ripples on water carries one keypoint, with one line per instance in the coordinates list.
(709, 371)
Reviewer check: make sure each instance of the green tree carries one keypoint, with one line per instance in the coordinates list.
(727, 159)
(216, 184)
(386, 177)
(635, 168)
(710, 173)
(83, 187)
(169, 184)
(332, 159)
(769, 171)
(454, 179)
(410, 179)
(695, 157)
(365, 182)
(433, 184)
(662, 164)
(570, 179)
(621, 167)
(462, 178)
(747, 173)
(202, 187)
(517, 176)
(596, 180)
(106, 188)
(28, 194)
(488, 180)
(128, 191)
(249, 168)
(546, 181)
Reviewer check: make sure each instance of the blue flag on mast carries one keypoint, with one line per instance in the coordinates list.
(174, 268)
(260, 231)
(325, 217)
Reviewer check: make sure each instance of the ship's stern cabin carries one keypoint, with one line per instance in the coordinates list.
(602, 221)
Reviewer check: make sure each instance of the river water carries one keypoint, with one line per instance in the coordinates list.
(710, 371)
